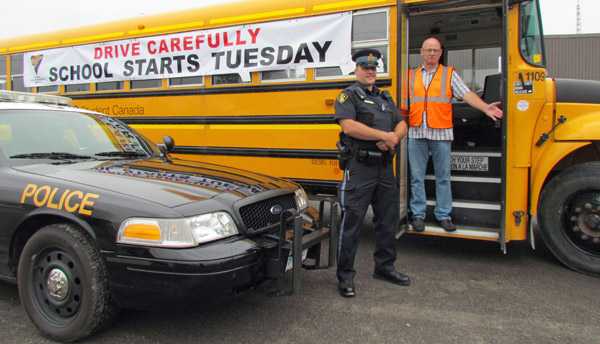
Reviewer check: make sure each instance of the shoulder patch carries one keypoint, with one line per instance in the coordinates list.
(342, 98)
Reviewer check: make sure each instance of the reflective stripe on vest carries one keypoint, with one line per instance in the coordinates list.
(437, 100)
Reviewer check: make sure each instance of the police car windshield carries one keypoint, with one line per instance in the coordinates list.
(55, 134)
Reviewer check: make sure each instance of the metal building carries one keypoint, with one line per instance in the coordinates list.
(573, 56)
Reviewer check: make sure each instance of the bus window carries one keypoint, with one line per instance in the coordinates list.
(16, 73)
(414, 58)
(47, 89)
(75, 88)
(531, 34)
(369, 26)
(2, 72)
(142, 84)
(473, 65)
(283, 75)
(487, 62)
(369, 30)
(462, 61)
(110, 86)
(228, 79)
(187, 81)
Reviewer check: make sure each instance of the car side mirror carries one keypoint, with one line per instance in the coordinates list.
(167, 145)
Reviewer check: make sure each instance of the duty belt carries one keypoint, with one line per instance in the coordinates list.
(369, 157)
(374, 157)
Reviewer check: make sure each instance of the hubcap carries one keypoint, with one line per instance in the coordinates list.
(58, 285)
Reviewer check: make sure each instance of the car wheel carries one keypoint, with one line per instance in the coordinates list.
(569, 217)
(63, 284)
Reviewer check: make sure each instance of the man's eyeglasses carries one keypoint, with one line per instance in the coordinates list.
(437, 51)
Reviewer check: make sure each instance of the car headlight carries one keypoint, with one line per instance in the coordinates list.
(186, 232)
(301, 199)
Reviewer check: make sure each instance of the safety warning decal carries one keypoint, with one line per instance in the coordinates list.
(470, 163)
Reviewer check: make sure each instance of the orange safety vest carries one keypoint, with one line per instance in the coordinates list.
(436, 99)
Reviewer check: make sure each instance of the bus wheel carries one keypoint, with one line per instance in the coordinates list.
(569, 217)
(63, 284)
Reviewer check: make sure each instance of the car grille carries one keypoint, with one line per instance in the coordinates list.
(257, 216)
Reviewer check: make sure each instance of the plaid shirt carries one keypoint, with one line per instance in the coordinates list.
(459, 89)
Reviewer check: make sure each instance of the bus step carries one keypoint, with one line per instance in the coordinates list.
(489, 234)
(486, 189)
(471, 213)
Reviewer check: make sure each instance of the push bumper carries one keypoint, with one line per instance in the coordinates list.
(149, 277)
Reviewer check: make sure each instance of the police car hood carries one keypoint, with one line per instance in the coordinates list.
(170, 183)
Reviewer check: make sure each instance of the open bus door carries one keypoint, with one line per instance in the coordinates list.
(402, 54)
(473, 38)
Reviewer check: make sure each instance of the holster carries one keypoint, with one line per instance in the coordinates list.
(388, 157)
(373, 158)
(344, 154)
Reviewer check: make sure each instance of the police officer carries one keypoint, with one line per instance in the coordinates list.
(372, 127)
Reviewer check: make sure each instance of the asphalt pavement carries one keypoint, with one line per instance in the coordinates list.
(462, 291)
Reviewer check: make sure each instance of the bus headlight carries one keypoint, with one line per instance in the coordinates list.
(186, 232)
(301, 199)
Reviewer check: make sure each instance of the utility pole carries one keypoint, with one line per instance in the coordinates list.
(578, 29)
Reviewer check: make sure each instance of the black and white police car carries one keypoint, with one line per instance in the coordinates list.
(96, 217)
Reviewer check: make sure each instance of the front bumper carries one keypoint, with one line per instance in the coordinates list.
(143, 277)
(149, 277)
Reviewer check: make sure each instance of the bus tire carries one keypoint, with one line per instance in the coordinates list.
(569, 217)
(63, 284)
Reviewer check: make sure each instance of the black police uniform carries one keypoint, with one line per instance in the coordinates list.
(368, 179)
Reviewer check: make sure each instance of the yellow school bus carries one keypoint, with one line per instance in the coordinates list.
(252, 84)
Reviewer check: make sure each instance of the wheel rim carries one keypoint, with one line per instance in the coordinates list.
(581, 221)
(57, 284)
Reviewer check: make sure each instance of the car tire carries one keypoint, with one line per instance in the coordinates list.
(569, 217)
(63, 284)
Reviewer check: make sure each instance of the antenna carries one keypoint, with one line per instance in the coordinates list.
(578, 29)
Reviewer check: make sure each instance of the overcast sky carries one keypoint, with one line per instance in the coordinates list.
(25, 17)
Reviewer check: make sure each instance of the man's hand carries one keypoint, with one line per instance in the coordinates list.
(493, 111)
(388, 142)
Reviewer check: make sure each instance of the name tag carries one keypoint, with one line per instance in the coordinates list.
(368, 101)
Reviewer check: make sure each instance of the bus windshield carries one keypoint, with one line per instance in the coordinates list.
(530, 38)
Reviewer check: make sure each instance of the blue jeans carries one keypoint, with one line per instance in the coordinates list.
(418, 155)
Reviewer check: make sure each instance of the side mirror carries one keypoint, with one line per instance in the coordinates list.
(167, 145)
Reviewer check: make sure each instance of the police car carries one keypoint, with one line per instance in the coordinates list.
(96, 217)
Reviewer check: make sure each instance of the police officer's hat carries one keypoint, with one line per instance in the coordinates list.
(366, 57)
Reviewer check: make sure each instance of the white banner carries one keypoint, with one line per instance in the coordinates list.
(322, 41)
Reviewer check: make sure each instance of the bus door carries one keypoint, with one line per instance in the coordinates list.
(472, 38)
(403, 54)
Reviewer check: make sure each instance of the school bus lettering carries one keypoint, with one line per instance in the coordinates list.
(80, 72)
(127, 110)
(166, 65)
(54, 198)
(285, 55)
(116, 51)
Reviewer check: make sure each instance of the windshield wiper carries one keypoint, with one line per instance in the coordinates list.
(123, 154)
(51, 155)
